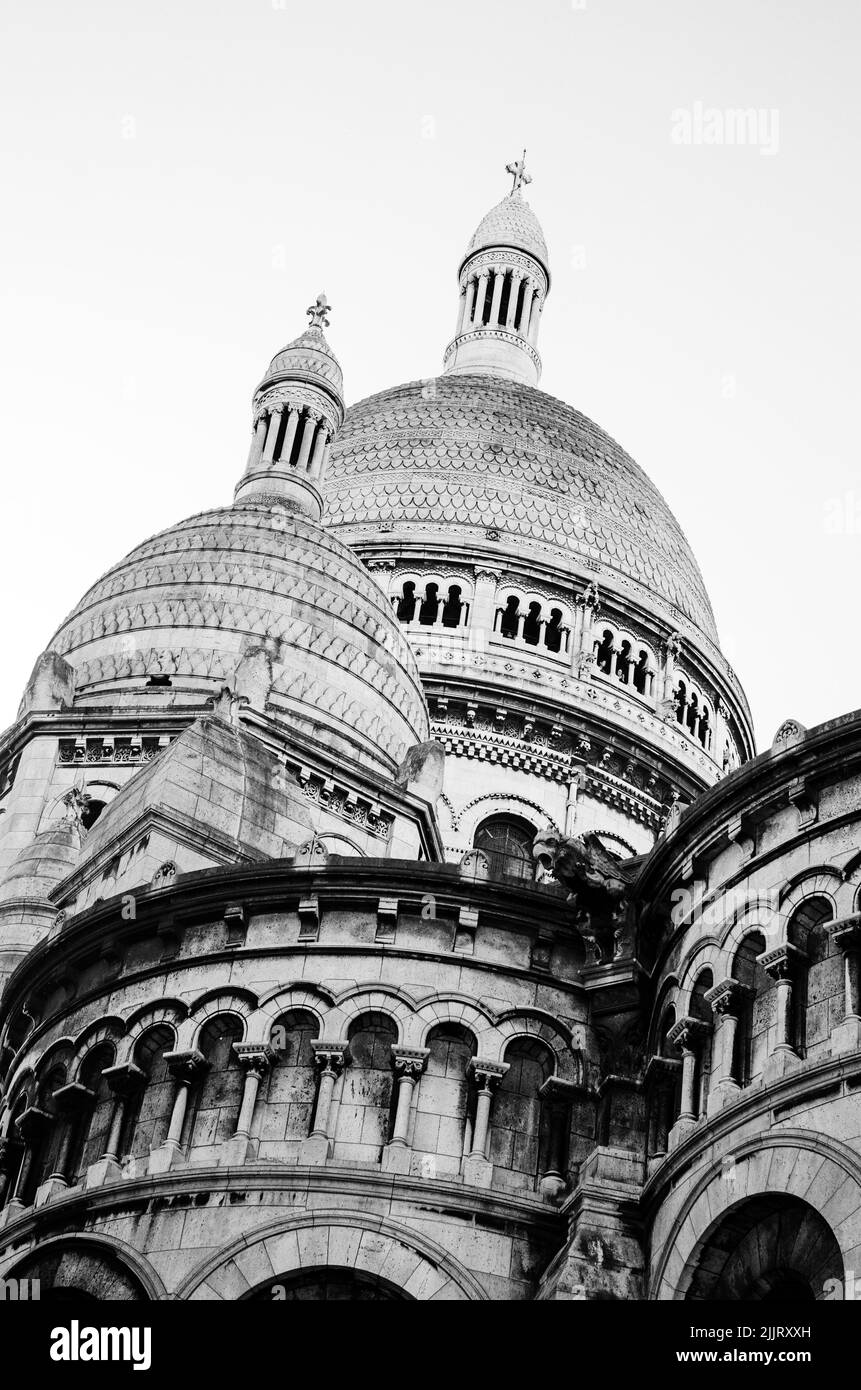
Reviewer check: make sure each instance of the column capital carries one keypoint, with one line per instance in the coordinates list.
(662, 1071)
(330, 1057)
(32, 1122)
(72, 1097)
(125, 1078)
(559, 1092)
(185, 1066)
(728, 997)
(254, 1057)
(409, 1061)
(689, 1033)
(846, 933)
(782, 962)
(487, 1074)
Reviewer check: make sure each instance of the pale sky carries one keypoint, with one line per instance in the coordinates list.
(182, 178)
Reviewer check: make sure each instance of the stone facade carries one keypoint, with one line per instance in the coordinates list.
(290, 1009)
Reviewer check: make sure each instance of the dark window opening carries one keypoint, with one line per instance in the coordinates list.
(532, 625)
(623, 663)
(604, 654)
(553, 631)
(430, 605)
(407, 602)
(453, 607)
(507, 842)
(159, 680)
(505, 300)
(510, 617)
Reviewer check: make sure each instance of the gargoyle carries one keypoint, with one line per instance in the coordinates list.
(598, 884)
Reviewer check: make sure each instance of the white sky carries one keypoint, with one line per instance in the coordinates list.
(181, 179)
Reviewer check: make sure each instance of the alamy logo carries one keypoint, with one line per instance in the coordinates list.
(757, 128)
(19, 1290)
(76, 1343)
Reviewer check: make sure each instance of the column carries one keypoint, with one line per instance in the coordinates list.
(846, 1035)
(480, 296)
(487, 1076)
(322, 438)
(258, 439)
(309, 426)
(124, 1081)
(184, 1067)
(726, 1000)
(409, 1063)
(516, 278)
(671, 649)
(498, 285)
(330, 1058)
(68, 1102)
(526, 314)
(31, 1125)
(289, 434)
(255, 1059)
(662, 1079)
(272, 435)
(467, 301)
(483, 613)
(535, 320)
(688, 1036)
(558, 1096)
(582, 647)
(10, 1153)
(781, 965)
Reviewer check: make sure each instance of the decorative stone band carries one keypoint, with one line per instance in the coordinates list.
(507, 259)
(728, 996)
(280, 397)
(500, 335)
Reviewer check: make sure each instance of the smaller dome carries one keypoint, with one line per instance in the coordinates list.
(511, 223)
(308, 358)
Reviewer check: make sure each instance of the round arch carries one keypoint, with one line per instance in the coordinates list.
(416, 1267)
(98, 1267)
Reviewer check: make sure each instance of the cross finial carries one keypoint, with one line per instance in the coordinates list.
(518, 171)
(317, 312)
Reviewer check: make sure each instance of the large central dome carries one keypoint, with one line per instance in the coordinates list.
(472, 453)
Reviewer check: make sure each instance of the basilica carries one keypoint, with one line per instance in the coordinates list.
(393, 903)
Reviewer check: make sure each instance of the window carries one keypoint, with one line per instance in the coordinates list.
(750, 1047)
(818, 990)
(507, 842)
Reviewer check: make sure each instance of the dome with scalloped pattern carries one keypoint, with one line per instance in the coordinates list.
(511, 223)
(262, 600)
(463, 455)
(308, 358)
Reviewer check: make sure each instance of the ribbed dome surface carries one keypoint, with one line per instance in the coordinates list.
(310, 358)
(263, 587)
(468, 453)
(511, 223)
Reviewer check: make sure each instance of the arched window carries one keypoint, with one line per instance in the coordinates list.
(554, 631)
(701, 1009)
(91, 1121)
(147, 1112)
(430, 605)
(443, 1113)
(453, 607)
(818, 991)
(642, 675)
(509, 617)
(285, 1120)
(366, 1103)
(218, 1095)
(519, 1128)
(507, 842)
(45, 1144)
(532, 625)
(750, 1047)
(624, 661)
(407, 602)
(604, 653)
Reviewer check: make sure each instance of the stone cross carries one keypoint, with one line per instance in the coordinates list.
(317, 312)
(518, 172)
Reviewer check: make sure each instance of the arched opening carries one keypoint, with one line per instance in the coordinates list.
(407, 602)
(329, 1285)
(604, 653)
(768, 1249)
(147, 1112)
(285, 1120)
(532, 625)
(218, 1095)
(520, 1122)
(367, 1096)
(453, 607)
(554, 630)
(430, 605)
(509, 617)
(91, 1120)
(443, 1106)
(818, 991)
(756, 1010)
(71, 1271)
(507, 842)
(702, 1011)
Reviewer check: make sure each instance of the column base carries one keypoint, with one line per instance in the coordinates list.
(237, 1151)
(782, 1061)
(102, 1171)
(315, 1149)
(166, 1157)
(680, 1130)
(846, 1036)
(10, 1213)
(477, 1171)
(396, 1157)
(46, 1191)
(724, 1093)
